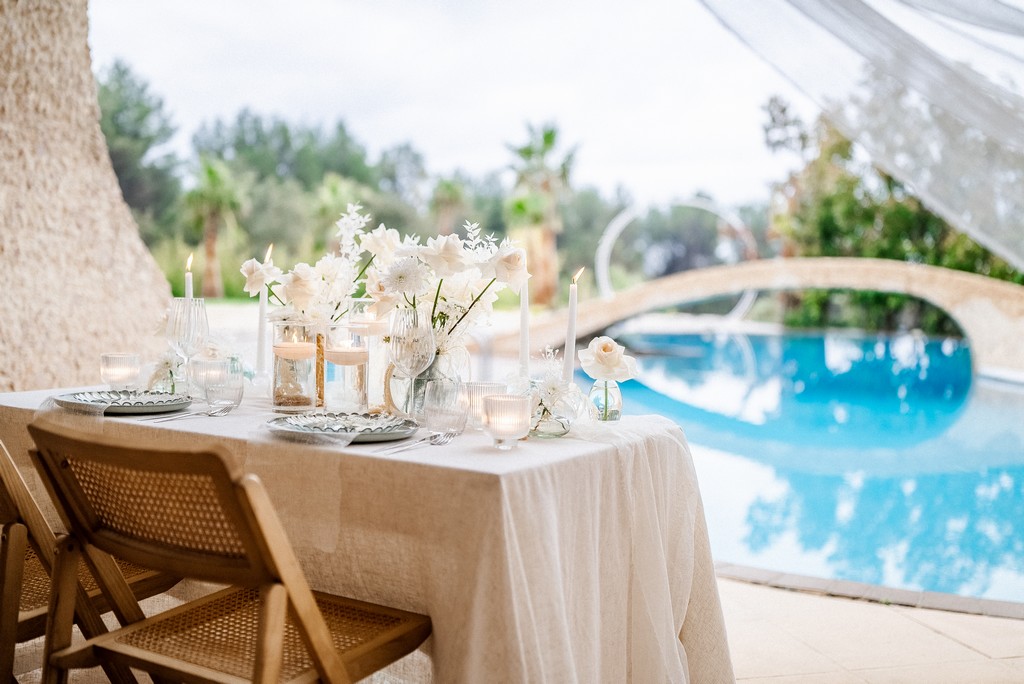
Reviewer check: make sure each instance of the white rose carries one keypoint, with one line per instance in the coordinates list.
(509, 266)
(604, 359)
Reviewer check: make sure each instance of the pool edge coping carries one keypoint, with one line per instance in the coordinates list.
(932, 600)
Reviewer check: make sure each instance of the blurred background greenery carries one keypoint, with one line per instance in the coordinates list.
(259, 180)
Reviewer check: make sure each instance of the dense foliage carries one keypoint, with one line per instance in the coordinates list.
(839, 204)
(258, 180)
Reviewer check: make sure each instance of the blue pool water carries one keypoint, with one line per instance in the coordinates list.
(873, 459)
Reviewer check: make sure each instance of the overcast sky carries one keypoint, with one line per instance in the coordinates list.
(660, 99)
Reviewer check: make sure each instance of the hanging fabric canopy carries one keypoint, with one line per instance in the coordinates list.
(933, 90)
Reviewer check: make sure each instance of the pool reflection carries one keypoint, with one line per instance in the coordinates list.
(871, 459)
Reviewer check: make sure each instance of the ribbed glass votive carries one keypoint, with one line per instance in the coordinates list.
(507, 418)
(477, 391)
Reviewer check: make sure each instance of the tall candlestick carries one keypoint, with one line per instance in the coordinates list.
(188, 277)
(570, 335)
(261, 335)
(524, 330)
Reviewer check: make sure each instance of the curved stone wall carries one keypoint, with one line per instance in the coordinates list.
(991, 312)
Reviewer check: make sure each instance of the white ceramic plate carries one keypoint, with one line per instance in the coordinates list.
(124, 402)
(368, 427)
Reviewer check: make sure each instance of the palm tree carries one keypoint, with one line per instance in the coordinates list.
(533, 209)
(447, 200)
(213, 201)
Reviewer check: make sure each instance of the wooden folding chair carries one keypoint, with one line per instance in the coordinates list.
(191, 512)
(27, 555)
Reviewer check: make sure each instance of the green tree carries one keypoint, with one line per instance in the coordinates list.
(839, 204)
(213, 202)
(274, 148)
(136, 127)
(534, 209)
(401, 172)
(446, 202)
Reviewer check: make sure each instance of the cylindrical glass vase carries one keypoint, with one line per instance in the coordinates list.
(607, 399)
(294, 387)
(375, 329)
(345, 360)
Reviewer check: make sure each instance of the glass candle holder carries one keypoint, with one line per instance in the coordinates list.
(120, 371)
(375, 329)
(345, 360)
(507, 419)
(295, 379)
(476, 392)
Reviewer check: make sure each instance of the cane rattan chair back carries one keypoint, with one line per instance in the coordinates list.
(27, 555)
(191, 512)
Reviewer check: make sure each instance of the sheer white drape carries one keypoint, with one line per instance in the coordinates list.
(932, 89)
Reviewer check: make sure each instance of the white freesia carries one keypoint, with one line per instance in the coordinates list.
(445, 255)
(258, 275)
(605, 359)
(383, 243)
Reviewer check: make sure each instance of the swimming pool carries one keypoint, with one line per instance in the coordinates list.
(876, 459)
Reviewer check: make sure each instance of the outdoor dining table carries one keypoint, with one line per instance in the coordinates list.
(578, 559)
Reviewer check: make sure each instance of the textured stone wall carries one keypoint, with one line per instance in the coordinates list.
(75, 277)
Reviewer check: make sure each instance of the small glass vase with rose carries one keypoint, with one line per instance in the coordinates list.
(606, 362)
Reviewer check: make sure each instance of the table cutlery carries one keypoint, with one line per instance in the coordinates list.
(436, 439)
(217, 411)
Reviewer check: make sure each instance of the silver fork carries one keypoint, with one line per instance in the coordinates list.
(436, 439)
(218, 411)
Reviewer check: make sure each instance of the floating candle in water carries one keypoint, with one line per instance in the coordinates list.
(294, 351)
(347, 356)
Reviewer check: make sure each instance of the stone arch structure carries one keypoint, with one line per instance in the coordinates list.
(76, 278)
(991, 312)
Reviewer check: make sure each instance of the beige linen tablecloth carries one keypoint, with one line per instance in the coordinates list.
(580, 559)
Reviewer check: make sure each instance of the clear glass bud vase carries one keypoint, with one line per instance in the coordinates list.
(607, 399)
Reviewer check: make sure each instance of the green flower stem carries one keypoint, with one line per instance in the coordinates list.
(273, 294)
(362, 271)
(472, 304)
(605, 400)
(437, 296)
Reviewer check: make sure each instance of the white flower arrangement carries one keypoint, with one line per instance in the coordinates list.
(605, 359)
(456, 280)
(320, 292)
(550, 392)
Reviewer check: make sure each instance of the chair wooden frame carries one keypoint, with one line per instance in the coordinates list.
(27, 557)
(191, 512)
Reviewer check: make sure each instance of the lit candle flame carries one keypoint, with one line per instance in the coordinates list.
(578, 274)
(188, 264)
(269, 250)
